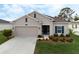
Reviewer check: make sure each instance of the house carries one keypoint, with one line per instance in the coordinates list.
(35, 23)
(5, 25)
(74, 25)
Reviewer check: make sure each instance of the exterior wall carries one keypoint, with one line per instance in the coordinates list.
(30, 23)
(5, 26)
(43, 21)
(22, 22)
(38, 16)
(39, 21)
(65, 24)
(71, 24)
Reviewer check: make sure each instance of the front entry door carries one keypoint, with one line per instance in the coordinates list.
(45, 29)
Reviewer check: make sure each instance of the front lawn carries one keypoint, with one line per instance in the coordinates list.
(48, 47)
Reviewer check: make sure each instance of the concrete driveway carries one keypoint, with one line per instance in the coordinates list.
(19, 45)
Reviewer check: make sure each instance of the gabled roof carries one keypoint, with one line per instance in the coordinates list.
(4, 21)
(40, 14)
(54, 19)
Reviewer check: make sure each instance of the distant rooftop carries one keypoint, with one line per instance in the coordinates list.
(4, 21)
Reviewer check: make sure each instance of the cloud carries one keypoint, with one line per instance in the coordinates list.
(14, 11)
(49, 9)
(10, 11)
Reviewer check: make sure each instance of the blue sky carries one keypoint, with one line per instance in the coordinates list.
(11, 12)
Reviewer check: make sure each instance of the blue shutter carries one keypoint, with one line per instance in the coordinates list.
(55, 29)
(62, 29)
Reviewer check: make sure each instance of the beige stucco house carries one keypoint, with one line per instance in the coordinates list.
(35, 23)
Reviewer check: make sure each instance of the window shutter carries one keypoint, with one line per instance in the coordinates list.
(62, 29)
(55, 29)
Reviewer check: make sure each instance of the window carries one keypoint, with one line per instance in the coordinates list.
(59, 29)
(26, 20)
(34, 15)
(74, 25)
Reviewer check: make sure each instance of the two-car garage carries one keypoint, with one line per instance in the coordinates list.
(26, 31)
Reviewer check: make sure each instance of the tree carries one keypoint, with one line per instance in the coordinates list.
(66, 13)
(76, 17)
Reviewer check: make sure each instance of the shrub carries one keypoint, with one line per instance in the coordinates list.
(62, 35)
(67, 35)
(55, 39)
(62, 40)
(70, 40)
(2, 38)
(39, 39)
(55, 35)
(50, 36)
(40, 36)
(7, 32)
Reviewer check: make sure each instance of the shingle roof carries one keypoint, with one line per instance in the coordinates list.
(59, 19)
(4, 21)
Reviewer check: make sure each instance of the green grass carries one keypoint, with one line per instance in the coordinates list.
(43, 47)
(2, 38)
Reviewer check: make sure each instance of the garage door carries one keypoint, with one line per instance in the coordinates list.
(26, 31)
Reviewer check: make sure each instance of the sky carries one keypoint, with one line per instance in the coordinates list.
(12, 12)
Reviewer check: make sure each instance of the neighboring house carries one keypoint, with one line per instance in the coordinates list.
(35, 23)
(5, 25)
(74, 25)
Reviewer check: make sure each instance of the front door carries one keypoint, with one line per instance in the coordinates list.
(45, 29)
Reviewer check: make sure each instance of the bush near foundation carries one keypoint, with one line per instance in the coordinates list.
(40, 36)
(7, 33)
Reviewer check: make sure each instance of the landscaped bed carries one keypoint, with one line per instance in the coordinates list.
(5, 35)
(50, 47)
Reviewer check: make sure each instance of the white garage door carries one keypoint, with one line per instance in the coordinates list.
(26, 31)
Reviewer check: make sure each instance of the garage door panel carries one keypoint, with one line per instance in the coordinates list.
(26, 31)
